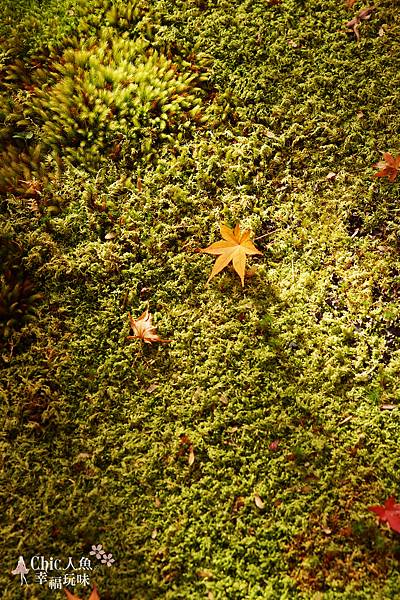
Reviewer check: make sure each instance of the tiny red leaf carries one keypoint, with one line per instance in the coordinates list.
(388, 513)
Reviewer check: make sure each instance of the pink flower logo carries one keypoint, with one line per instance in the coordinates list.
(100, 554)
(108, 559)
(97, 550)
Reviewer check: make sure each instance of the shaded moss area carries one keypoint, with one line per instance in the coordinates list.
(129, 131)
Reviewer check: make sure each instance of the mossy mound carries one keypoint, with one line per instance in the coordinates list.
(239, 460)
(94, 98)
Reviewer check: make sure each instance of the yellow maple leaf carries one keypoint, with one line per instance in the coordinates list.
(144, 329)
(93, 596)
(233, 247)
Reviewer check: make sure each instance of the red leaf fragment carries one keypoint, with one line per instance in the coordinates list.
(388, 513)
(389, 167)
(93, 596)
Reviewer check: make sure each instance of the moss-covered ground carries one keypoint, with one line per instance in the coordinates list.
(128, 132)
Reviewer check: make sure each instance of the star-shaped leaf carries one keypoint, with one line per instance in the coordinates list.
(234, 247)
(389, 167)
(389, 513)
(93, 596)
(144, 329)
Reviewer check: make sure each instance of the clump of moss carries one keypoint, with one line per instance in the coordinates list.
(17, 302)
(102, 97)
(114, 93)
(18, 299)
(287, 388)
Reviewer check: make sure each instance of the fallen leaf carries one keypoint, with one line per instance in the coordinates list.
(349, 3)
(389, 513)
(388, 406)
(144, 330)
(234, 247)
(154, 534)
(389, 167)
(331, 175)
(93, 596)
(355, 22)
(258, 501)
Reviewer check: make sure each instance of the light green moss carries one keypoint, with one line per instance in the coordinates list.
(304, 355)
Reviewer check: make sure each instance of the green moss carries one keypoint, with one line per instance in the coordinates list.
(275, 116)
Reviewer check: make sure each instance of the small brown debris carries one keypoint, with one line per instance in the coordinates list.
(191, 456)
(238, 503)
(151, 388)
(259, 502)
(356, 21)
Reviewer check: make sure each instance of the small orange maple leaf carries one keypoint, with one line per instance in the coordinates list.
(93, 596)
(389, 167)
(233, 247)
(144, 329)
